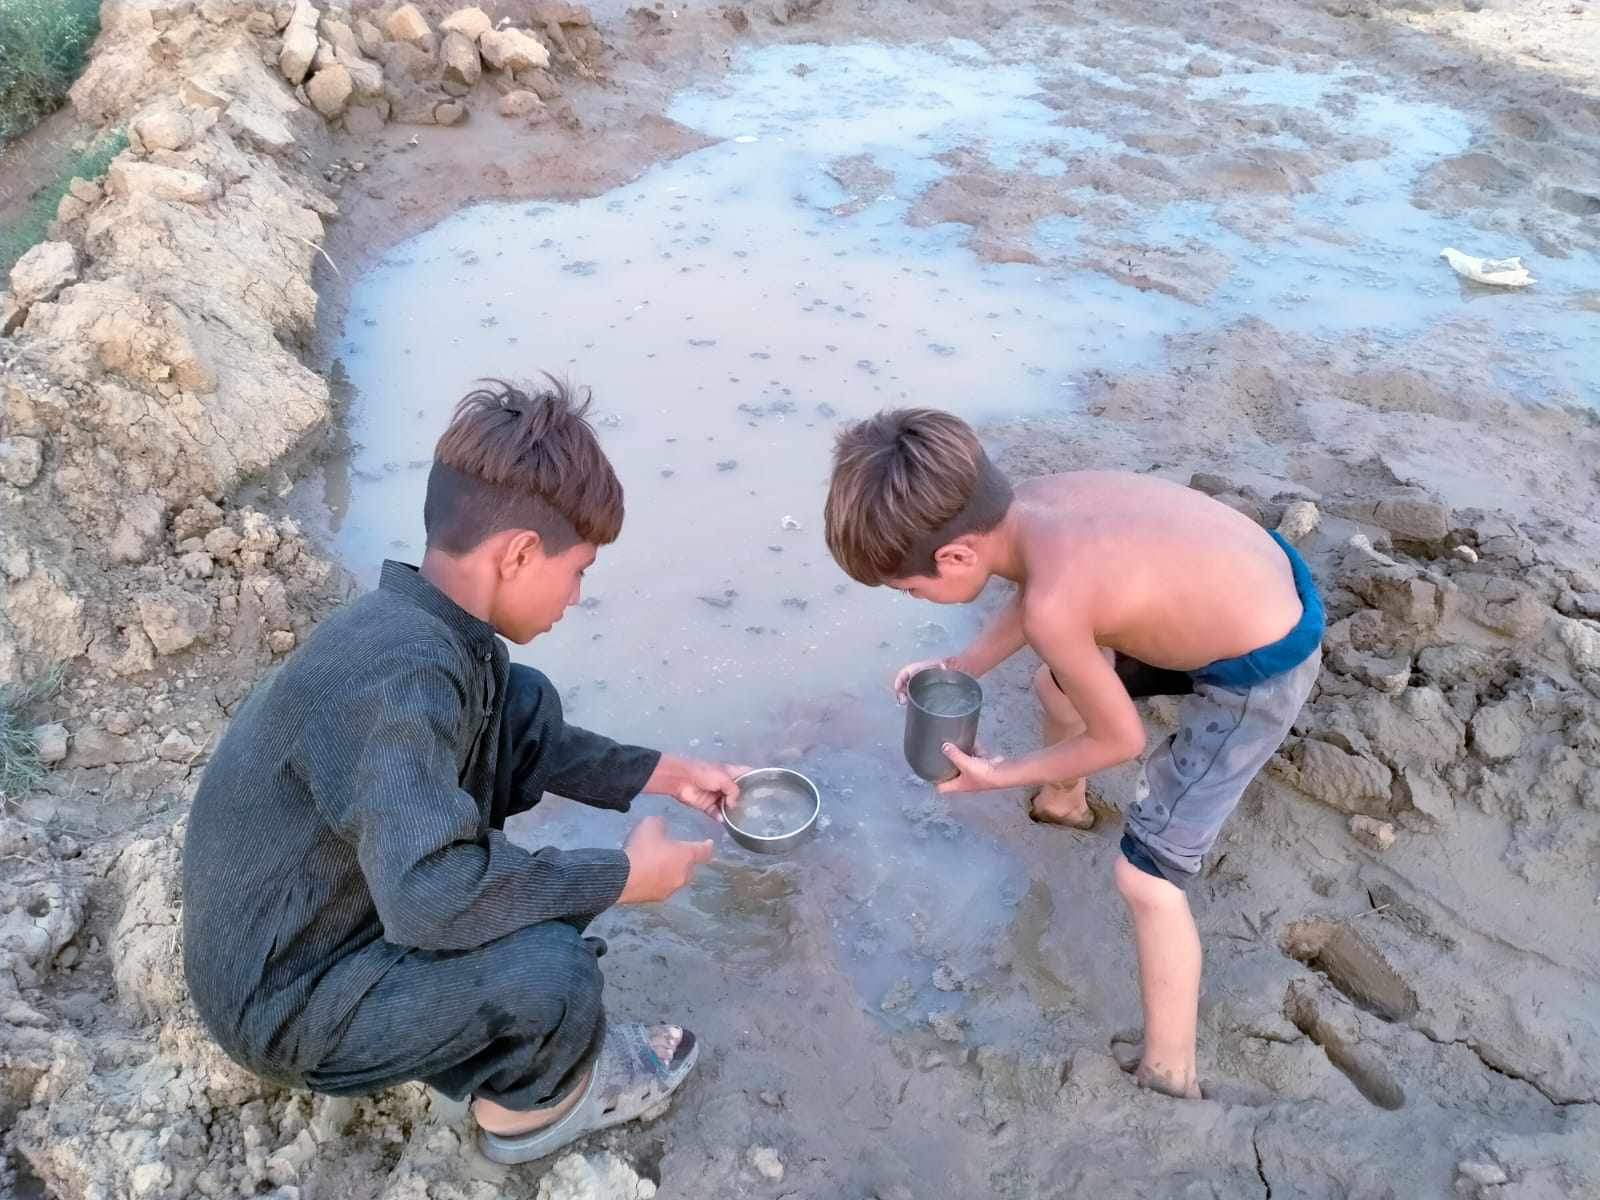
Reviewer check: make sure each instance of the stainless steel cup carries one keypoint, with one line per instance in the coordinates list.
(941, 706)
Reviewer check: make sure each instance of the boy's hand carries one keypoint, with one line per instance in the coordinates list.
(977, 774)
(903, 680)
(657, 864)
(700, 785)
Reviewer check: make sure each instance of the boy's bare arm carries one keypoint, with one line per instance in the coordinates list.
(1113, 732)
(999, 640)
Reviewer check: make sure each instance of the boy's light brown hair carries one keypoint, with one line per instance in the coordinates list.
(521, 458)
(904, 484)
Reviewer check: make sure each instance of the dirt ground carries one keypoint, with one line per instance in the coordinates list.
(1402, 988)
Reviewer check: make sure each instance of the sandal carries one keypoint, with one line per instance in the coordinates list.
(627, 1081)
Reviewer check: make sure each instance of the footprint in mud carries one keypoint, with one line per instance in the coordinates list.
(1313, 1012)
(1353, 966)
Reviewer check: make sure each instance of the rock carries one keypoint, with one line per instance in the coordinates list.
(1389, 586)
(177, 747)
(47, 616)
(20, 460)
(223, 543)
(87, 190)
(519, 104)
(97, 748)
(1507, 606)
(195, 521)
(1413, 517)
(12, 311)
(449, 113)
(1448, 665)
(1465, 554)
(128, 178)
(162, 126)
(43, 271)
(601, 1176)
(1299, 520)
(460, 57)
(365, 76)
(540, 82)
(1212, 484)
(50, 742)
(947, 1026)
(1582, 640)
(406, 24)
(370, 38)
(1351, 783)
(471, 23)
(197, 564)
(300, 43)
(1484, 1174)
(766, 1162)
(174, 620)
(1425, 801)
(1496, 730)
(513, 50)
(281, 641)
(139, 532)
(1373, 834)
(330, 90)
(69, 209)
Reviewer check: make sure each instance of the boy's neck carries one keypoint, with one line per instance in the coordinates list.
(1003, 549)
(455, 578)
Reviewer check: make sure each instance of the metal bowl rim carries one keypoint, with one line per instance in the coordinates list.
(816, 806)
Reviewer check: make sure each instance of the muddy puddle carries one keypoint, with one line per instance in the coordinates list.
(731, 308)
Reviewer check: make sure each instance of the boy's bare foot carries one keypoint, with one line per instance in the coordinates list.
(1128, 1050)
(509, 1122)
(1062, 804)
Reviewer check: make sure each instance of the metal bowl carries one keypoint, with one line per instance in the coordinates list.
(759, 819)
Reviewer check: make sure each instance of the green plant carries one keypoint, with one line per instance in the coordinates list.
(28, 229)
(43, 44)
(20, 768)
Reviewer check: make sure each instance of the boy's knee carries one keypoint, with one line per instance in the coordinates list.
(1143, 891)
(552, 963)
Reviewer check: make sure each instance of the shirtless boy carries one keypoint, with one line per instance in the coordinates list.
(1127, 586)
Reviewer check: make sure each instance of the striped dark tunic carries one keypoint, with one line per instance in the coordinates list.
(345, 851)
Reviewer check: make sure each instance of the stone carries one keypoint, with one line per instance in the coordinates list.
(1507, 606)
(195, 521)
(340, 35)
(1496, 730)
(1582, 640)
(1413, 517)
(460, 57)
(128, 178)
(162, 126)
(370, 38)
(1211, 483)
(223, 542)
(365, 76)
(139, 532)
(197, 564)
(1447, 665)
(540, 82)
(449, 113)
(1465, 553)
(1371, 833)
(513, 50)
(70, 209)
(174, 620)
(50, 742)
(20, 460)
(1351, 783)
(1300, 519)
(330, 89)
(472, 23)
(281, 641)
(1484, 1174)
(601, 1176)
(87, 190)
(406, 24)
(98, 748)
(43, 271)
(12, 311)
(299, 51)
(177, 747)
(1425, 801)
(766, 1162)
(519, 104)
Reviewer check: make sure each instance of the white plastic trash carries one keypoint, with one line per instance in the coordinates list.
(1497, 272)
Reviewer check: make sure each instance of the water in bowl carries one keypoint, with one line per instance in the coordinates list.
(770, 809)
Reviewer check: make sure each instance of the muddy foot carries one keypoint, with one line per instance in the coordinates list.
(1056, 805)
(1168, 1083)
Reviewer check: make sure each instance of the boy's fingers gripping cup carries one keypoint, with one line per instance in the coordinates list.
(941, 706)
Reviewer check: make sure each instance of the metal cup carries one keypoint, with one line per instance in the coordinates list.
(959, 700)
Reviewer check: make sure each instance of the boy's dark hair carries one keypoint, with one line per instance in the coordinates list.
(904, 484)
(521, 458)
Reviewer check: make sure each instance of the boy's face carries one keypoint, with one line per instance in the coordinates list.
(536, 588)
(958, 579)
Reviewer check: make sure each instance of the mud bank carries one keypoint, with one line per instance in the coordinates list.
(1400, 979)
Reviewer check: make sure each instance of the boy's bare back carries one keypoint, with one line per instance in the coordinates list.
(1158, 571)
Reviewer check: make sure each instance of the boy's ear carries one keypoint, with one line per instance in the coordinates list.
(522, 549)
(958, 554)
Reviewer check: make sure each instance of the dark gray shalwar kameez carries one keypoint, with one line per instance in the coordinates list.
(354, 915)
